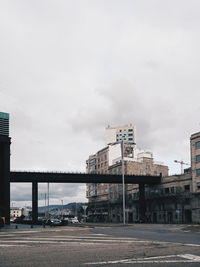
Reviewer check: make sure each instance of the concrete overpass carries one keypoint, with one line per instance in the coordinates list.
(61, 177)
(7, 177)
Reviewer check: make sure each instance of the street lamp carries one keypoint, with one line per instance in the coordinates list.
(123, 185)
(84, 208)
(123, 182)
(62, 208)
(47, 200)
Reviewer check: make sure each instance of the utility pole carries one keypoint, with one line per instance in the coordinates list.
(123, 181)
(181, 163)
(62, 208)
(47, 200)
(123, 185)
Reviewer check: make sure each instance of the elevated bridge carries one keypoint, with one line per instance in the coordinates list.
(67, 177)
(7, 177)
(62, 177)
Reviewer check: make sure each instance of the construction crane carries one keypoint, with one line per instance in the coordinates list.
(181, 163)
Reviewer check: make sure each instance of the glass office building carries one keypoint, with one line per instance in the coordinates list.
(4, 124)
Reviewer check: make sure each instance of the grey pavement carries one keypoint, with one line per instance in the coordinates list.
(98, 245)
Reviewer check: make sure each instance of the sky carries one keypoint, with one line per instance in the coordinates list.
(70, 68)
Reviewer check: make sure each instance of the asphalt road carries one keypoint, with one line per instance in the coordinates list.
(99, 246)
(166, 232)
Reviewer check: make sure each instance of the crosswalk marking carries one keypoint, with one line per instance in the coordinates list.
(181, 258)
(94, 239)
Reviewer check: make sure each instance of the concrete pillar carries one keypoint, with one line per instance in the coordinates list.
(34, 202)
(142, 202)
(5, 177)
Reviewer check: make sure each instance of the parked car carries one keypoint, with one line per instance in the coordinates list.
(74, 220)
(12, 219)
(54, 222)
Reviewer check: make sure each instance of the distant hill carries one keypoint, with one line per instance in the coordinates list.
(69, 206)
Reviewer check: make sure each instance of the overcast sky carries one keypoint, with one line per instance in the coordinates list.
(70, 68)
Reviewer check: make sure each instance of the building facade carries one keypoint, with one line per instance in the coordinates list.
(175, 200)
(195, 161)
(117, 134)
(104, 199)
(5, 142)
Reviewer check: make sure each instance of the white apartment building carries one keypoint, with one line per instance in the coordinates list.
(117, 134)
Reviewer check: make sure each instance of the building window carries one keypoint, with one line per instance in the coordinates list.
(187, 201)
(166, 190)
(197, 171)
(198, 158)
(187, 188)
(197, 144)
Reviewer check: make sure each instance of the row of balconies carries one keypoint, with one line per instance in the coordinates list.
(148, 195)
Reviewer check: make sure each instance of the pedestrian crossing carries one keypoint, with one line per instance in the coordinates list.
(106, 249)
(70, 235)
(26, 239)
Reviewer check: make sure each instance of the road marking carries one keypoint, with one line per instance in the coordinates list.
(51, 239)
(6, 245)
(190, 257)
(48, 242)
(98, 239)
(183, 258)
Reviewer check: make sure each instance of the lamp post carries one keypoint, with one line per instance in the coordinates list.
(47, 200)
(84, 208)
(62, 208)
(123, 184)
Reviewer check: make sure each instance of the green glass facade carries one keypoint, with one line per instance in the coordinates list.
(4, 124)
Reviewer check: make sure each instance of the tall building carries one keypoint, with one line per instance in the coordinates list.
(195, 161)
(175, 200)
(4, 167)
(117, 134)
(4, 124)
(103, 198)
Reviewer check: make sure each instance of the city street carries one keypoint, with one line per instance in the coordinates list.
(138, 245)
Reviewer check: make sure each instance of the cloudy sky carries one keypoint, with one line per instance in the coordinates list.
(70, 68)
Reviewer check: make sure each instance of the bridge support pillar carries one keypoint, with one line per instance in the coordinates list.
(5, 178)
(142, 202)
(34, 202)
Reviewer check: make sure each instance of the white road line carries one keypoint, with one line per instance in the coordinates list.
(98, 234)
(102, 240)
(24, 239)
(162, 261)
(49, 242)
(97, 237)
(189, 258)
(6, 245)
